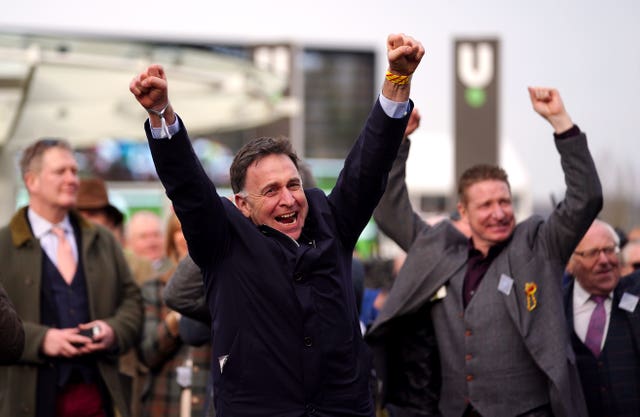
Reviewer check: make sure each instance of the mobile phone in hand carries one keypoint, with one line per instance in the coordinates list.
(91, 333)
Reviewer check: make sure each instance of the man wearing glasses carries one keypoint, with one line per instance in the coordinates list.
(604, 321)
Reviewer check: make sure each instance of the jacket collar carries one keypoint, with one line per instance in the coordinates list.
(21, 230)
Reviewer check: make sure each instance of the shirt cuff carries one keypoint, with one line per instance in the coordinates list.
(158, 132)
(393, 109)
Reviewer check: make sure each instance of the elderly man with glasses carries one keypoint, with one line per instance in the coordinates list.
(604, 321)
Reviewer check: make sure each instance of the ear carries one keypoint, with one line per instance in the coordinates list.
(243, 205)
(463, 211)
(30, 180)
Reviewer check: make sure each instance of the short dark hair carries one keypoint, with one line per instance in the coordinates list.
(254, 151)
(32, 156)
(478, 173)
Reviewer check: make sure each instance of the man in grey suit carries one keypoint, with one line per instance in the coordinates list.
(604, 324)
(475, 327)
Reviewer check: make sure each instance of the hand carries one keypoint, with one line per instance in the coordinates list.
(104, 340)
(404, 54)
(548, 104)
(172, 320)
(150, 88)
(413, 123)
(63, 342)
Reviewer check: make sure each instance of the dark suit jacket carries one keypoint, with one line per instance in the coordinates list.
(629, 284)
(537, 252)
(285, 325)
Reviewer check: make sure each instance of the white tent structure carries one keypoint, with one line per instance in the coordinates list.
(78, 90)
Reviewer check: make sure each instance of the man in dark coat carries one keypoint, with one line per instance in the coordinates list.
(277, 264)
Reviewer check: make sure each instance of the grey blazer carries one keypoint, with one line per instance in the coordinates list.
(537, 252)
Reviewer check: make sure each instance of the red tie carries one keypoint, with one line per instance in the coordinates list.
(65, 259)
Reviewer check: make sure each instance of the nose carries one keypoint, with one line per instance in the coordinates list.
(498, 212)
(287, 198)
(603, 258)
(72, 176)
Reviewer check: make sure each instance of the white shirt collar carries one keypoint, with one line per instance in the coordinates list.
(580, 295)
(41, 226)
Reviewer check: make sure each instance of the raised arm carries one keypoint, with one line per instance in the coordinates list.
(361, 182)
(583, 198)
(194, 197)
(395, 215)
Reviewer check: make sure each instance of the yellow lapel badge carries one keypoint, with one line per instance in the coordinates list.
(530, 289)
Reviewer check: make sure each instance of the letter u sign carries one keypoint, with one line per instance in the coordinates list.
(475, 64)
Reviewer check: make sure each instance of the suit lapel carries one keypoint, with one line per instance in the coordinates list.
(633, 317)
(414, 289)
(499, 267)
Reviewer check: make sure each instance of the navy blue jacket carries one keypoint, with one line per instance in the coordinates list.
(285, 322)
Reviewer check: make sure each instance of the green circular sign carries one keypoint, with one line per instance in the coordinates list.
(475, 97)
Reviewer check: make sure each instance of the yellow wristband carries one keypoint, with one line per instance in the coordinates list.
(398, 79)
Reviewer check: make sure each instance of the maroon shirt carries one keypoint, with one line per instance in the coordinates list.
(477, 266)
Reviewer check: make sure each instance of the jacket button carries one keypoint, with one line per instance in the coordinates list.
(468, 333)
(307, 341)
(311, 409)
(298, 276)
(469, 378)
(467, 357)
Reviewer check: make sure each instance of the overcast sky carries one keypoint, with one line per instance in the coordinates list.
(587, 49)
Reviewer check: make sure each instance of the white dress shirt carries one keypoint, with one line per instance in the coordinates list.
(49, 242)
(583, 306)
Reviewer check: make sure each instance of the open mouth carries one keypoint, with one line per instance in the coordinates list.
(288, 218)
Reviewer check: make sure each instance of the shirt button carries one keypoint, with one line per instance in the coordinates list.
(307, 341)
(469, 378)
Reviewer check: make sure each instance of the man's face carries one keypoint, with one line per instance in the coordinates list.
(145, 239)
(596, 271)
(632, 260)
(55, 185)
(489, 212)
(273, 195)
